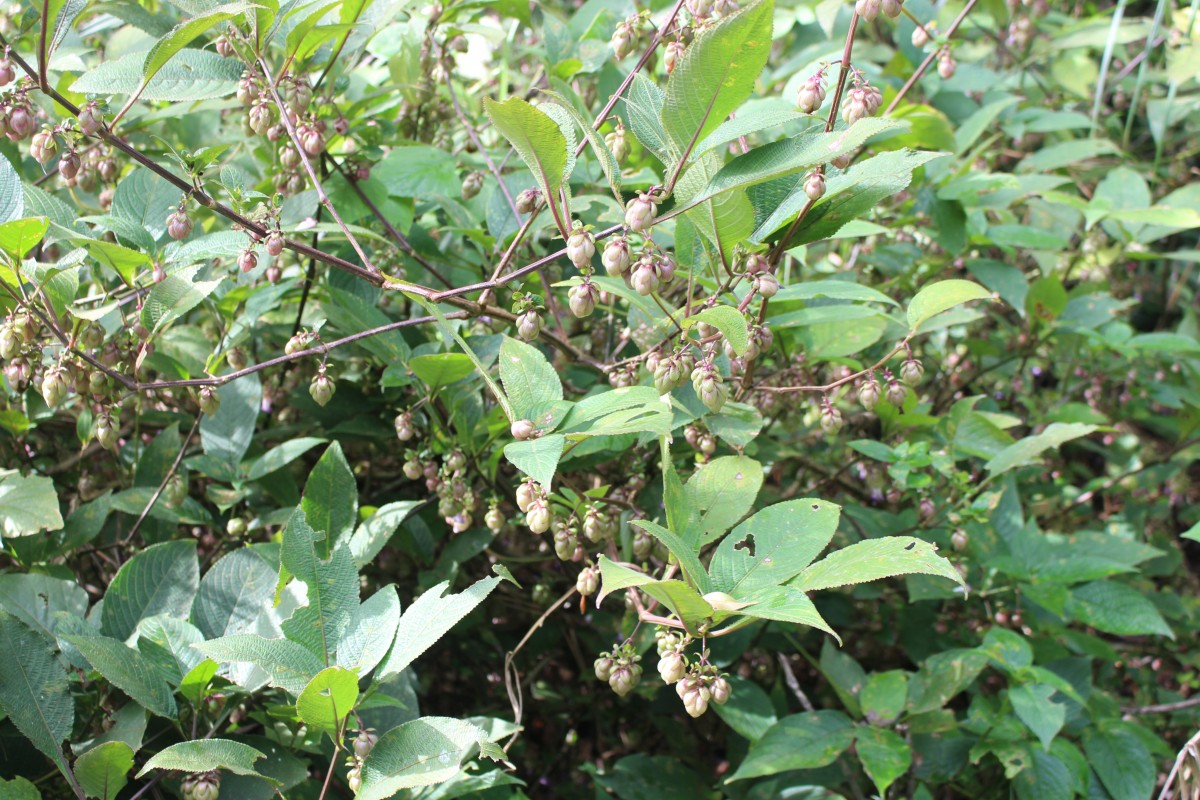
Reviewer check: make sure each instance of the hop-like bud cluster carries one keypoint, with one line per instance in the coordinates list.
(861, 101)
(812, 94)
(7, 73)
(911, 371)
(529, 325)
(672, 371)
(946, 65)
(831, 418)
(671, 56)
(766, 284)
(494, 519)
(528, 200)
(618, 143)
(209, 400)
(869, 393)
(639, 212)
(616, 257)
(179, 224)
(322, 388)
(55, 384)
(522, 429)
(709, 386)
(538, 516)
(672, 666)
(921, 34)
(814, 186)
(471, 185)
(897, 392)
(202, 786)
(105, 430)
(364, 742)
(588, 582)
(582, 299)
(581, 246)
(598, 526)
(43, 146)
(623, 39)
(620, 669)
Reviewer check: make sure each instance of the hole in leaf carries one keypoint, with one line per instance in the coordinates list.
(816, 506)
(746, 544)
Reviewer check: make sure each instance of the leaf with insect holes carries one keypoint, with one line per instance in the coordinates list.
(328, 699)
(773, 546)
(872, 559)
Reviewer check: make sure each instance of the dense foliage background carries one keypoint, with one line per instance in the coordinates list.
(397, 397)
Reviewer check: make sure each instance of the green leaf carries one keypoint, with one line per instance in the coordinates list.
(422, 752)
(537, 458)
(1029, 450)
(191, 75)
(884, 754)
(205, 755)
(330, 502)
(643, 107)
(440, 369)
(226, 435)
(684, 551)
(1125, 766)
(755, 116)
(450, 334)
(19, 236)
(27, 504)
(942, 676)
(162, 579)
(12, 199)
(608, 162)
(332, 588)
(748, 711)
(531, 383)
(791, 156)
(234, 593)
(1116, 608)
(725, 220)
(371, 632)
(628, 409)
(883, 695)
(1044, 778)
(536, 138)
(715, 75)
(373, 535)
(773, 546)
(279, 457)
(19, 789)
(175, 296)
(428, 619)
(328, 699)
(935, 298)
(37, 599)
(166, 643)
(802, 741)
(128, 670)
(195, 684)
(720, 493)
(728, 320)
(785, 604)
(833, 290)
(289, 665)
(848, 196)
(34, 693)
(683, 601)
(102, 770)
(1031, 703)
(184, 33)
(873, 559)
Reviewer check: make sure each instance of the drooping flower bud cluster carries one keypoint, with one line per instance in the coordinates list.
(709, 385)
(862, 100)
(869, 9)
(201, 786)
(527, 307)
(619, 669)
(812, 93)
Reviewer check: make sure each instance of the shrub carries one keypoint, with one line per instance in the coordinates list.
(382, 379)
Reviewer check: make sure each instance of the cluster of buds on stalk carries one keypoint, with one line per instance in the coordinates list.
(812, 93)
(624, 38)
(671, 371)
(869, 9)
(588, 581)
(533, 502)
(201, 786)
(761, 271)
(618, 142)
(527, 307)
(619, 669)
(862, 100)
(322, 387)
(709, 385)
